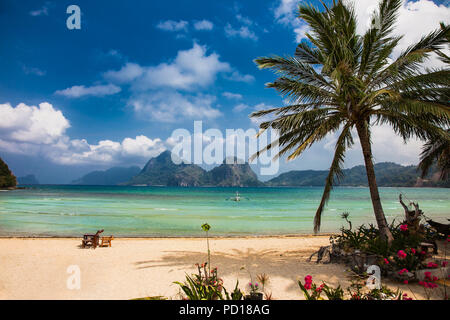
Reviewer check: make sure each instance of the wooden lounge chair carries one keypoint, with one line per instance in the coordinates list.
(106, 241)
(91, 240)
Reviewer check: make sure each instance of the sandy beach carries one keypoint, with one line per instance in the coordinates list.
(36, 268)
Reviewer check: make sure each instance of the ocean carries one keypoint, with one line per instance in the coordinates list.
(68, 210)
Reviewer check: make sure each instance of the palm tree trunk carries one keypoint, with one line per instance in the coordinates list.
(375, 196)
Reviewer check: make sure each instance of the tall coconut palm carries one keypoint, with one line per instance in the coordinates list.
(340, 82)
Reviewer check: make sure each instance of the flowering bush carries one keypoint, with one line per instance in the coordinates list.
(313, 292)
(207, 286)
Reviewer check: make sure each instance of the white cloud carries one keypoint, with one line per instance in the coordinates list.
(286, 14)
(243, 32)
(171, 25)
(191, 69)
(237, 76)
(231, 95)
(41, 130)
(109, 152)
(171, 106)
(203, 25)
(129, 72)
(42, 124)
(98, 91)
(415, 19)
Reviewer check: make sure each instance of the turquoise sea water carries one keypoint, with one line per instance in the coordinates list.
(176, 212)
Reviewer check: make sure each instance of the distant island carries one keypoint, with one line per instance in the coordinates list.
(162, 171)
(112, 176)
(27, 180)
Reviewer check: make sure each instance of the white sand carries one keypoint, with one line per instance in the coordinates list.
(133, 268)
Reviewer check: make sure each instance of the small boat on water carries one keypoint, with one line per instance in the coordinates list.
(237, 197)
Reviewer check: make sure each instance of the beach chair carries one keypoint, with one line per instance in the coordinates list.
(106, 241)
(91, 240)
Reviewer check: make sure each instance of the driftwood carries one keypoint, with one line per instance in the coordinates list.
(411, 216)
(323, 252)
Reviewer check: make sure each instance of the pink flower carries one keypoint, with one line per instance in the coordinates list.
(432, 265)
(404, 227)
(401, 254)
(444, 263)
(427, 275)
(386, 261)
(403, 271)
(405, 282)
(413, 250)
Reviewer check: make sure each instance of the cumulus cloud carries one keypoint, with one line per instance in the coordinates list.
(171, 25)
(171, 106)
(203, 25)
(243, 32)
(130, 150)
(33, 130)
(34, 124)
(191, 68)
(97, 91)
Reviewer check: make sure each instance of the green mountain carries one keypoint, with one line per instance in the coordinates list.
(161, 171)
(113, 176)
(28, 179)
(232, 174)
(388, 174)
(7, 179)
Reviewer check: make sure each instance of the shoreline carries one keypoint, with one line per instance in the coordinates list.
(306, 235)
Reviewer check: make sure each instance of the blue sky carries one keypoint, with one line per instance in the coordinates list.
(112, 92)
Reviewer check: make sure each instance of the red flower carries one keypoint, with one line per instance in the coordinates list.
(413, 250)
(404, 227)
(405, 282)
(401, 254)
(386, 261)
(444, 263)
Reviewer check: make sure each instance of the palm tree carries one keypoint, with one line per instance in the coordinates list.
(343, 81)
(436, 151)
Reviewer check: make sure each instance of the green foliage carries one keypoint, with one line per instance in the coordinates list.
(207, 286)
(355, 292)
(368, 240)
(7, 179)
